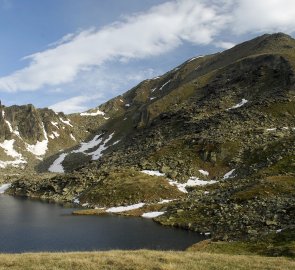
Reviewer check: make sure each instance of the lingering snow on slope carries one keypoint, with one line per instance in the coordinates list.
(191, 182)
(161, 88)
(84, 146)
(4, 187)
(54, 135)
(76, 200)
(56, 166)
(155, 78)
(7, 145)
(271, 129)
(16, 132)
(152, 214)
(153, 90)
(153, 173)
(124, 208)
(98, 152)
(98, 112)
(204, 172)
(72, 137)
(229, 174)
(243, 102)
(166, 201)
(40, 148)
(194, 58)
(151, 98)
(14, 163)
(55, 124)
(67, 122)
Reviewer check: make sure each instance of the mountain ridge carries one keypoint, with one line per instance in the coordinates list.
(215, 135)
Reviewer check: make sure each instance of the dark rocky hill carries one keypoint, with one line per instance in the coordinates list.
(222, 126)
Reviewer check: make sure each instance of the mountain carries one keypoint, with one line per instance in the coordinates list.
(215, 135)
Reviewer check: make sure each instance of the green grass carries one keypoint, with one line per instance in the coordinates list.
(274, 245)
(268, 187)
(128, 187)
(141, 259)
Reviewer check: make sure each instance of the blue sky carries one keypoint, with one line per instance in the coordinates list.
(72, 55)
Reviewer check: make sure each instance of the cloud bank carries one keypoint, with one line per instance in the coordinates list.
(143, 35)
(159, 30)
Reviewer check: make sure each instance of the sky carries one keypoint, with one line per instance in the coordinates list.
(73, 55)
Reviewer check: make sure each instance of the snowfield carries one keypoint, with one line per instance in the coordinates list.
(98, 112)
(124, 208)
(229, 174)
(57, 167)
(4, 187)
(153, 173)
(8, 146)
(191, 182)
(152, 214)
(97, 141)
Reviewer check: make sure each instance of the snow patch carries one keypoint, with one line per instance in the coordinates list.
(191, 182)
(229, 174)
(243, 102)
(98, 152)
(16, 132)
(7, 145)
(151, 98)
(76, 200)
(40, 148)
(271, 129)
(124, 208)
(55, 124)
(152, 214)
(194, 58)
(72, 137)
(155, 78)
(54, 135)
(4, 187)
(98, 112)
(204, 172)
(153, 173)
(84, 148)
(56, 166)
(67, 122)
(127, 105)
(161, 88)
(165, 201)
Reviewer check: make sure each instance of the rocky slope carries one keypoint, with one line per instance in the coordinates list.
(227, 117)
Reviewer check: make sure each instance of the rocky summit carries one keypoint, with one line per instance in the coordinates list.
(210, 145)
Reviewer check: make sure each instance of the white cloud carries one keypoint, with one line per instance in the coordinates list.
(161, 29)
(252, 16)
(81, 60)
(224, 44)
(71, 105)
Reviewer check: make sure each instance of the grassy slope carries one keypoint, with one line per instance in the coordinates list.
(142, 259)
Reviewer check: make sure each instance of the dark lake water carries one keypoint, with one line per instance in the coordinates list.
(29, 226)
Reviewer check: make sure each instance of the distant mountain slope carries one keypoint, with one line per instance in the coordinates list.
(227, 117)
